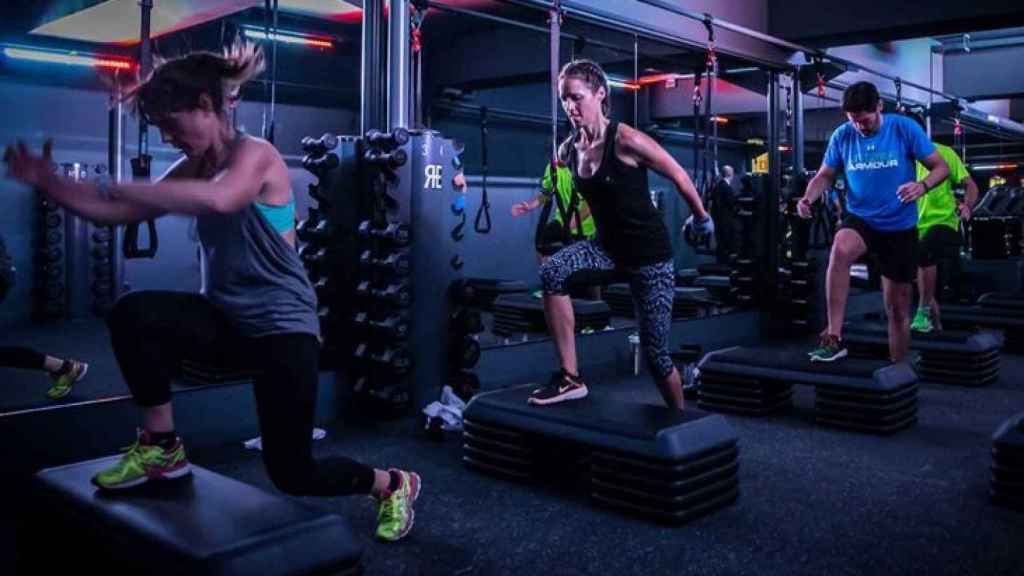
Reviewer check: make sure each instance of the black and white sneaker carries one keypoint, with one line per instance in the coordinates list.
(562, 386)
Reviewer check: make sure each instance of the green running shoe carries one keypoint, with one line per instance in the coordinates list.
(144, 462)
(829, 349)
(395, 516)
(922, 321)
(62, 383)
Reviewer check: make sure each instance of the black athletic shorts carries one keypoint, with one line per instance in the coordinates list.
(939, 243)
(896, 250)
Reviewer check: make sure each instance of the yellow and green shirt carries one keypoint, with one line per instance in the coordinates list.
(564, 187)
(938, 206)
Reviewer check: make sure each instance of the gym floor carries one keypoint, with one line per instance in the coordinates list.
(813, 500)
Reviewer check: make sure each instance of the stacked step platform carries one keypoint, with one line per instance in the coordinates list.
(857, 394)
(200, 524)
(1010, 321)
(522, 313)
(1007, 487)
(687, 304)
(948, 357)
(667, 465)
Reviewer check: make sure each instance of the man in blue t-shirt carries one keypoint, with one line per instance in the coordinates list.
(878, 154)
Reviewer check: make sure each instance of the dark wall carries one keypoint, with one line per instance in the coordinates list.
(985, 73)
(840, 23)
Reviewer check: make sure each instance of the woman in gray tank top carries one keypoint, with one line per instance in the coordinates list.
(259, 310)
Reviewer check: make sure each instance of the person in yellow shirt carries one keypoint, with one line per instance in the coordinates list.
(555, 232)
(938, 230)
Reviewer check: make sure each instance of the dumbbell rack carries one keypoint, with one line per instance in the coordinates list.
(49, 297)
(798, 271)
(382, 267)
(327, 237)
(74, 271)
(745, 277)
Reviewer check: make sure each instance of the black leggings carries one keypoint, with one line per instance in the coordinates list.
(653, 290)
(21, 357)
(152, 332)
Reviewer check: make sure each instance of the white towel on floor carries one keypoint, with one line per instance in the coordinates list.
(448, 409)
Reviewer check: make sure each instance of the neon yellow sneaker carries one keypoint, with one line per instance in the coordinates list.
(62, 383)
(922, 321)
(395, 516)
(144, 462)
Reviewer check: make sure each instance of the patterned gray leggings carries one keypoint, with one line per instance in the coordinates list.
(653, 290)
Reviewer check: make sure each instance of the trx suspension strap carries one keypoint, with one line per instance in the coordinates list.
(820, 82)
(959, 138)
(555, 25)
(569, 213)
(899, 95)
(485, 204)
(417, 12)
(142, 163)
(712, 68)
(270, 23)
(697, 100)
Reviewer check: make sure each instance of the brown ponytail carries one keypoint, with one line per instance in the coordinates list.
(176, 85)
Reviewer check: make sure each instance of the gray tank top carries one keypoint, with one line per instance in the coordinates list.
(254, 276)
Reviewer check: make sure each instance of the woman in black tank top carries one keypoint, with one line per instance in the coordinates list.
(609, 161)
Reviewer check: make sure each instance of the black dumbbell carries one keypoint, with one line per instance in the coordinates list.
(361, 320)
(397, 294)
(462, 292)
(51, 255)
(394, 326)
(394, 395)
(323, 288)
(317, 193)
(320, 164)
(464, 352)
(395, 233)
(392, 160)
(54, 291)
(366, 259)
(397, 137)
(53, 220)
(312, 254)
(397, 359)
(364, 229)
(319, 145)
(396, 262)
(101, 235)
(314, 232)
(465, 385)
(362, 351)
(467, 321)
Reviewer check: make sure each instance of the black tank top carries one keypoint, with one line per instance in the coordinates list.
(629, 227)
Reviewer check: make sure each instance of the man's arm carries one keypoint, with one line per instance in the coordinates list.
(822, 181)
(971, 192)
(938, 171)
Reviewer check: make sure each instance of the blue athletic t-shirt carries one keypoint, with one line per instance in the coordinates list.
(876, 166)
